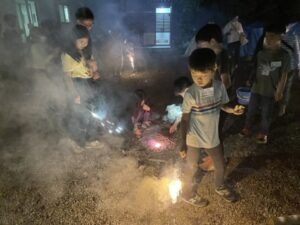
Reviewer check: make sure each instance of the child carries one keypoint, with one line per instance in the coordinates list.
(201, 109)
(78, 79)
(235, 38)
(271, 74)
(291, 43)
(210, 36)
(141, 115)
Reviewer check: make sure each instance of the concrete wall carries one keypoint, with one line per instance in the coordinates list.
(7, 6)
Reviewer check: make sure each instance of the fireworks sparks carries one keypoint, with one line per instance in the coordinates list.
(110, 126)
(175, 187)
(95, 115)
(131, 60)
(157, 145)
(157, 142)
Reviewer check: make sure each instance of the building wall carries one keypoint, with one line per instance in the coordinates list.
(7, 6)
(46, 10)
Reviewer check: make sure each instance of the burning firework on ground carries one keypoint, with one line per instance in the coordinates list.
(175, 187)
(106, 124)
(131, 60)
(157, 142)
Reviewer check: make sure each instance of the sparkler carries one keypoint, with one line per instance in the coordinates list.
(131, 60)
(110, 126)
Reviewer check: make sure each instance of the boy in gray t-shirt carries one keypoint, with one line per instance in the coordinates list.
(273, 64)
(201, 110)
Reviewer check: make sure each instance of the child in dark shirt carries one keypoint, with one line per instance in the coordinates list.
(141, 115)
(273, 64)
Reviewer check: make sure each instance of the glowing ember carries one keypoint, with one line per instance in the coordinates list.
(157, 145)
(175, 189)
(131, 59)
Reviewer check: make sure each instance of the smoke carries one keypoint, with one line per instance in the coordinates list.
(38, 157)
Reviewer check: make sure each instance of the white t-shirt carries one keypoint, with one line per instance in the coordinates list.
(233, 30)
(204, 108)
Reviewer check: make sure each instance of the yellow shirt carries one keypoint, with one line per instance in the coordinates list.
(74, 68)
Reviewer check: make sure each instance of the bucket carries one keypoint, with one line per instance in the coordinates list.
(243, 95)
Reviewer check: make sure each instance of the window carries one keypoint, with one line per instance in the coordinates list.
(64, 14)
(163, 22)
(27, 16)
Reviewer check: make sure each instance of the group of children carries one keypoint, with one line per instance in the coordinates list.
(205, 101)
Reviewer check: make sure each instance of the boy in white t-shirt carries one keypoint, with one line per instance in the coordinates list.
(199, 125)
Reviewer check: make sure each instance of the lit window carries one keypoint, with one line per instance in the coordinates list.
(163, 26)
(163, 10)
(64, 14)
(66, 11)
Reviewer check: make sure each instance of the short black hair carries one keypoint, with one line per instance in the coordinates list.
(275, 28)
(202, 59)
(80, 31)
(84, 13)
(140, 93)
(208, 32)
(181, 83)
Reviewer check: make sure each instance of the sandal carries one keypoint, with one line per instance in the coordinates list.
(196, 201)
(146, 124)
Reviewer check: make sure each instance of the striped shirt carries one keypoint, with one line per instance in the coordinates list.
(204, 105)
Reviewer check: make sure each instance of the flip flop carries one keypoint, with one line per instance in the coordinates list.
(196, 201)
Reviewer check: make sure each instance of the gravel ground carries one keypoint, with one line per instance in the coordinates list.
(47, 179)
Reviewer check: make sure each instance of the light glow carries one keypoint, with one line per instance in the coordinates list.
(175, 189)
(163, 10)
(157, 145)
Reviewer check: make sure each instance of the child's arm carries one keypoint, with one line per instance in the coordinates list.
(237, 110)
(285, 68)
(174, 126)
(280, 87)
(184, 128)
(71, 88)
(224, 69)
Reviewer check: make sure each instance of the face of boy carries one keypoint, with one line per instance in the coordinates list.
(81, 43)
(272, 40)
(202, 79)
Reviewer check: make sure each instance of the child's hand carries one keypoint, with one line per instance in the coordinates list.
(278, 96)
(238, 110)
(92, 64)
(183, 150)
(146, 108)
(77, 100)
(96, 75)
(182, 154)
(173, 129)
(137, 132)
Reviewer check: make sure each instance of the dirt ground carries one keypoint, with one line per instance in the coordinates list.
(46, 178)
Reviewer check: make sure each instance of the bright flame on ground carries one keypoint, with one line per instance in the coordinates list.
(131, 59)
(175, 189)
(157, 145)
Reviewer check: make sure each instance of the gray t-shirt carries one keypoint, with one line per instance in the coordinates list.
(204, 105)
(270, 67)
